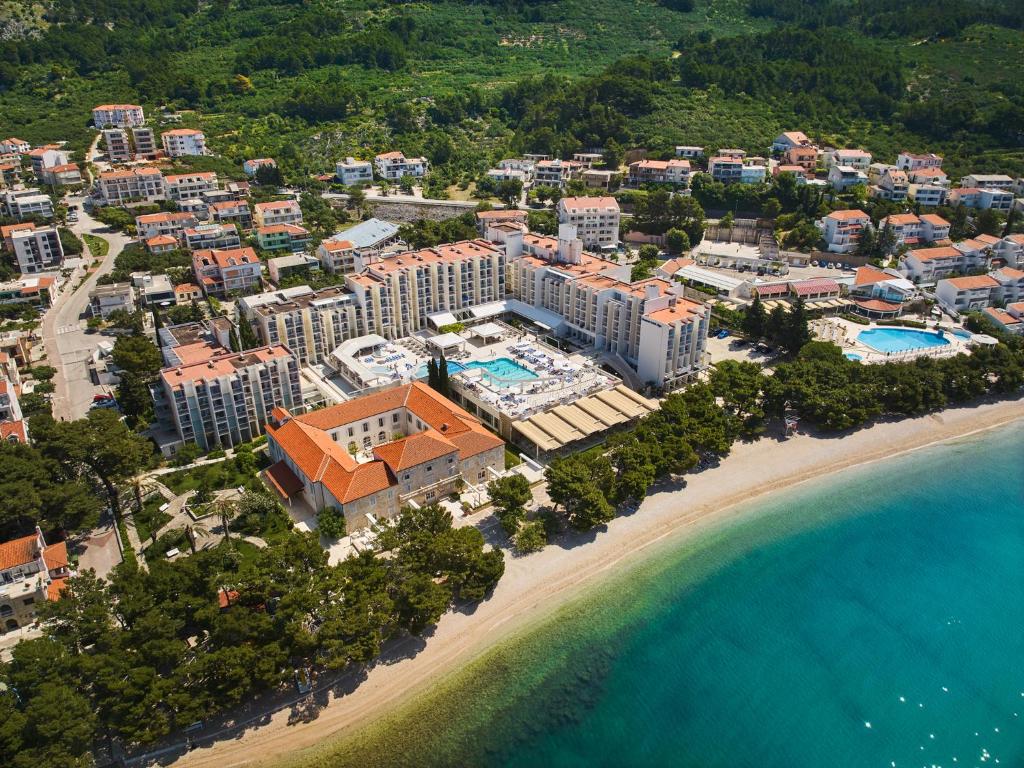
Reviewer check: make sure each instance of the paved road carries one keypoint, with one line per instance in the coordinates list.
(68, 347)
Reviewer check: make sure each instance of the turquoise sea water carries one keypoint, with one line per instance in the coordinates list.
(890, 595)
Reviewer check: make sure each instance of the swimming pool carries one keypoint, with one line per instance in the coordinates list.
(900, 339)
(854, 356)
(501, 372)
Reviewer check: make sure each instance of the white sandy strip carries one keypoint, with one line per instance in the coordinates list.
(535, 585)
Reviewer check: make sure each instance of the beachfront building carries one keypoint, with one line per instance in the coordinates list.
(277, 212)
(351, 171)
(371, 456)
(673, 172)
(118, 115)
(393, 166)
(596, 219)
(841, 230)
(223, 399)
(187, 186)
(229, 271)
(131, 186)
(31, 572)
(36, 250)
(183, 142)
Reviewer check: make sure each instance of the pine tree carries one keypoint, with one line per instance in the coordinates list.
(754, 319)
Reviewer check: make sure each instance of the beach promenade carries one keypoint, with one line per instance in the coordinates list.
(534, 586)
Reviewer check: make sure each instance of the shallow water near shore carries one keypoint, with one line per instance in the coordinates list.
(875, 618)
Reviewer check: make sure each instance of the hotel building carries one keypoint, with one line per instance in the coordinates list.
(137, 185)
(596, 219)
(182, 142)
(371, 456)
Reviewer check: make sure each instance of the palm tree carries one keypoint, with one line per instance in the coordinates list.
(192, 530)
(226, 509)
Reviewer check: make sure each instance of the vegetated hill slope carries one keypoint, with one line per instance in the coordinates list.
(308, 82)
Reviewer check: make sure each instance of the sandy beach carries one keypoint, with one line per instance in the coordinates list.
(534, 586)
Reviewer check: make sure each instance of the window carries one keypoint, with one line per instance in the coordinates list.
(430, 467)
(394, 418)
(380, 422)
(429, 495)
(406, 476)
(366, 427)
(350, 431)
(29, 600)
(451, 459)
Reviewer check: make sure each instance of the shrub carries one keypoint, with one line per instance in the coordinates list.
(331, 522)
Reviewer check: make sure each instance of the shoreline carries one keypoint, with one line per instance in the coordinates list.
(536, 586)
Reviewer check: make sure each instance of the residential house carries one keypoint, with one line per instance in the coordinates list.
(894, 186)
(1010, 250)
(186, 186)
(161, 244)
(842, 177)
(186, 293)
(227, 271)
(24, 203)
(588, 159)
(931, 175)
(183, 142)
(293, 264)
(908, 161)
(212, 236)
(338, 256)
(277, 212)
(689, 153)
(118, 115)
(804, 156)
(277, 237)
(842, 230)
(14, 146)
(351, 171)
(596, 219)
(857, 159)
(556, 173)
(673, 172)
(8, 230)
(153, 289)
(31, 572)
(989, 181)
(928, 195)
(173, 223)
(790, 140)
(393, 166)
(232, 212)
(64, 175)
(104, 299)
(423, 448)
(46, 157)
(252, 166)
(1010, 319)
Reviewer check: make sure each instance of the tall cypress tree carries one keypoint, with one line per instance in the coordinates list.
(432, 378)
(442, 376)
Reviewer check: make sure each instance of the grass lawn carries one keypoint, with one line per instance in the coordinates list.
(97, 245)
(150, 518)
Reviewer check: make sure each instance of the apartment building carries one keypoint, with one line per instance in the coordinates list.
(65, 175)
(134, 185)
(908, 161)
(842, 229)
(45, 157)
(187, 186)
(1010, 250)
(893, 185)
(282, 237)
(911, 229)
(250, 167)
(842, 177)
(674, 172)
(282, 267)
(23, 203)
(117, 145)
(596, 219)
(849, 158)
(10, 408)
(235, 212)
(982, 198)
(339, 257)
(277, 212)
(118, 115)
(37, 250)
(145, 143)
(927, 264)
(173, 223)
(790, 140)
(930, 176)
(211, 236)
(804, 156)
(31, 572)
(440, 448)
(1010, 319)
(726, 168)
(8, 230)
(161, 244)
(928, 195)
(227, 271)
(393, 166)
(351, 171)
(227, 398)
(989, 181)
(310, 323)
(183, 142)
(966, 294)
(556, 173)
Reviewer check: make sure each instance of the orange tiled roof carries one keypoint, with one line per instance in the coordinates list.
(870, 276)
(850, 215)
(56, 555)
(930, 254)
(972, 282)
(18, 551)
(414, 450)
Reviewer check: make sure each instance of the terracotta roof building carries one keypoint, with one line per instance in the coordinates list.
(373, 455)
(31, 572)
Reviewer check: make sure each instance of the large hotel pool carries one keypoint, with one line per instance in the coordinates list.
(501, 372)
(900, 339)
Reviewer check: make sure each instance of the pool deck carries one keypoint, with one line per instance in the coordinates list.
(845, 334)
